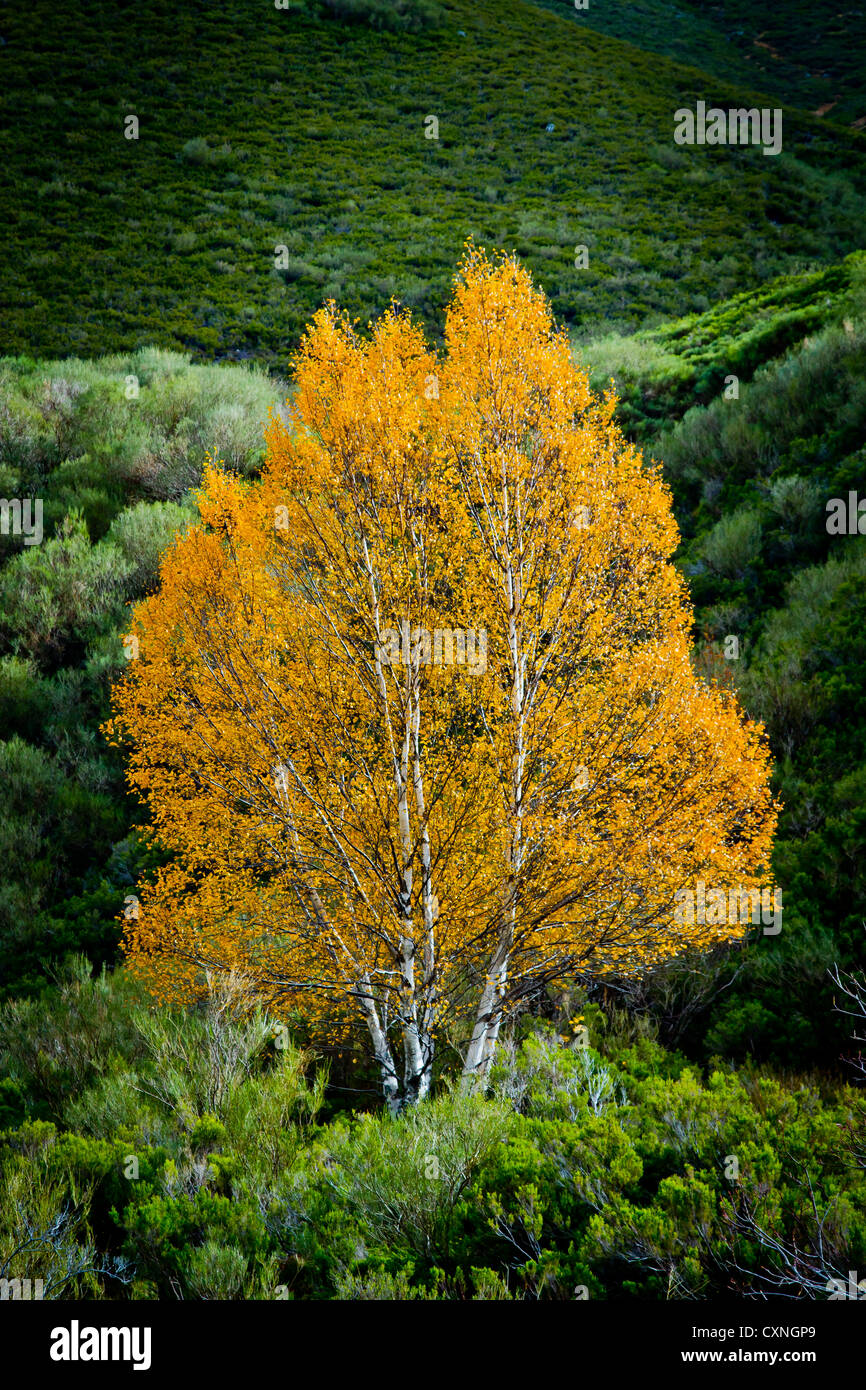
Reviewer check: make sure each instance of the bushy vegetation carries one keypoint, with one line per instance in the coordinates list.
(392, 16)
(660, 373)
(752, 471)
(190, 1157)
(113, 473)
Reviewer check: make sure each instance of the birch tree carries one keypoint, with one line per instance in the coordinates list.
(413, 713)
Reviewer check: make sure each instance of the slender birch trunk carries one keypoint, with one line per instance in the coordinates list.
(381, 1048)
(488, 1018)
(430, 911)
(417, 1038)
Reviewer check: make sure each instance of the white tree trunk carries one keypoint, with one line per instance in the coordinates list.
(381, 1048)
(488, 1018)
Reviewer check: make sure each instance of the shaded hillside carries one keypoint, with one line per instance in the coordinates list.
(114, 476)
(806, 53)
(659, 373)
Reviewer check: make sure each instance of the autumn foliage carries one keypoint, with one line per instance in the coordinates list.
(379, 837)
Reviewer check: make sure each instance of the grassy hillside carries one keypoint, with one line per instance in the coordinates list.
(262, 127)
(806, 53)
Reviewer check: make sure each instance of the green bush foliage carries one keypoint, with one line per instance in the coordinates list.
(612, 1170)
(113, 473)
(751, 475)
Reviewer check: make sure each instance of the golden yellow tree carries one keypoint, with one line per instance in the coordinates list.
(414, 713)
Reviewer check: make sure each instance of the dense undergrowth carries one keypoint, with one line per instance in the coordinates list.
(191, 1157)
(113, 474)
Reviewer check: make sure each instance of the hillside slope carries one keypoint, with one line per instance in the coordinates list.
(261, 127)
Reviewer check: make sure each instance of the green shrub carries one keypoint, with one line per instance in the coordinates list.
(59, 1045)
(141, 533)
(197, 151)
(45, 1240)
(395, 16)
(404, 1182)
(221, 1271)
(55, 596)
(734, 544)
